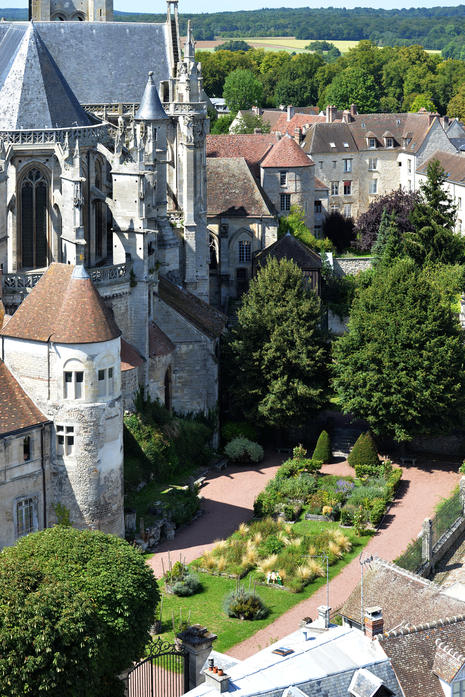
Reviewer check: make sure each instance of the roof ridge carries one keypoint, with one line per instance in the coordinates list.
(421, 627)
(404, 572)
(447, 648)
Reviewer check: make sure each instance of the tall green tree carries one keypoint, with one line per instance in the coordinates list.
(434, 239)
(401, 365)
(75, 611)
(278, 356)
(354, 85)
(242, 90)
(389, 244)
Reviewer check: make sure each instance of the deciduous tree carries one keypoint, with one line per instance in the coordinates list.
(242, 90)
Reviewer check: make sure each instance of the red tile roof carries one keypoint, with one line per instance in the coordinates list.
(286, 153)
(298, 121)
(252, 147)
(130, 356)
(17, 410)
(63, 308)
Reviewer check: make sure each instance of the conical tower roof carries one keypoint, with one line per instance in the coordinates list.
(33, 92)
(151, 108)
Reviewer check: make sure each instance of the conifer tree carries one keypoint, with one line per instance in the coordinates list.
(434, 239)
(276, 353)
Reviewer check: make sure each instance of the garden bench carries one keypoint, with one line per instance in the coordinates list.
(221, 465)
(408, 461)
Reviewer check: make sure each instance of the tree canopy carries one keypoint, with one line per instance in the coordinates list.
(234, 45)
(276, 353)
(75, 611)
(399, 202)
(242, 90)
(401, 365)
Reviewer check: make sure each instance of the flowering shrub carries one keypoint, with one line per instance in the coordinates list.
(244, 450)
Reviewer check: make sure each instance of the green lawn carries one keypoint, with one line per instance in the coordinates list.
(206, 608)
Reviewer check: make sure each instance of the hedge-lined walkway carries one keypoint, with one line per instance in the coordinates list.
(228, 501)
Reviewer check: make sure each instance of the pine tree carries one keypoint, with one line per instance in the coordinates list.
(434, 238)
(277, 356)
(401, 365)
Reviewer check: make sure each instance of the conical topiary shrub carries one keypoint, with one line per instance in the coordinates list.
(323, 448)
(364, 454)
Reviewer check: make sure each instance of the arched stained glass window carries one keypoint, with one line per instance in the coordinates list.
(34, 214)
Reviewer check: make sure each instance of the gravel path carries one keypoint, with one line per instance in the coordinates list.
(228, 500)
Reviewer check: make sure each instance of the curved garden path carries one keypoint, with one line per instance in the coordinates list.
(228, 500)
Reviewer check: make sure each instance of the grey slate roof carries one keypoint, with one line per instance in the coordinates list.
(103, 62)
(33, 92)
(150, 107)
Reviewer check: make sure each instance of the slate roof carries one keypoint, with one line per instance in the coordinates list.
(363, 126)
(159, 343)
(413, 654)
(289, 247)
(63, 308)
(454, 166)
(17, 410)
(232, 190)
(130, 356)
(286, 153)
(118, 56)
(297, 121)
(33, 91)
(405, 598)
(252, 147)
(199, 313)
(150, 108)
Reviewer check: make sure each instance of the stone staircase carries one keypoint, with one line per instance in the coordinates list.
(343, 439)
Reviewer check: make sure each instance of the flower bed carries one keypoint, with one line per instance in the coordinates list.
(273, 550)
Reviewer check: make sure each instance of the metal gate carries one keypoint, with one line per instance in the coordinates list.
(164, 673)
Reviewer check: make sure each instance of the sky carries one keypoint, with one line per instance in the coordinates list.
(159, 6)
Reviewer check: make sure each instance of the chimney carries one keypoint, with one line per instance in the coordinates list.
(256, 110)
(374, 623)
(432, 116)
(290, 112)
(297, 135)
(347, 116)
(353, 110)
(445, 121)
(323, 615)
(216, 678)
(331, 112)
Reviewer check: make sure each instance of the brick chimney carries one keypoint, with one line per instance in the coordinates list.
(290, 112)
(432, 116)
(298, 135)
(347, 116)
(374, 623)
(353, 110)
(331, 112)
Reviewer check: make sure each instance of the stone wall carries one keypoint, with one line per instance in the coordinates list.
(351, 266)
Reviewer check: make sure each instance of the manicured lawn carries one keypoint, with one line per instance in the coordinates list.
(206, 608)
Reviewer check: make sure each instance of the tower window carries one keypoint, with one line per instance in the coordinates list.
(27, 448)
(34, 219)
(73, 382)
(65, 440)
(283, 178)
(285, 202)
(105, 382)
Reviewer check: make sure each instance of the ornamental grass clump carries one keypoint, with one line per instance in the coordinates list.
(243, 450)
(245, 604)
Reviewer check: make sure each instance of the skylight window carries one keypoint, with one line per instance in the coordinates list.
(332, 145)
(346, 145)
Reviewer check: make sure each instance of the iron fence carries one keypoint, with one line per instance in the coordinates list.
(447, 513)
(412, 558)
(164, 673)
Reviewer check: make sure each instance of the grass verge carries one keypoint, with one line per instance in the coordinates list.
(206, 608)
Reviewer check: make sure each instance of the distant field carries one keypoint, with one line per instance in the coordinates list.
(274, 43)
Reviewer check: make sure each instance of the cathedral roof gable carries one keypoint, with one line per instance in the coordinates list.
(33, 92)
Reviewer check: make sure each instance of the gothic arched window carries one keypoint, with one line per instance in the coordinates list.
(34, 219)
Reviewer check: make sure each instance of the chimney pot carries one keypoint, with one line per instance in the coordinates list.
(331, 112)
(219, 681)
(353, 110)
(374, 623)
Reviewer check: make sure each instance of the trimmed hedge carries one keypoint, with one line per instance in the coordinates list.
(364, 453)
(323, 448)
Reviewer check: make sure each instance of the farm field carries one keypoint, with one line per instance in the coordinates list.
(274, 43)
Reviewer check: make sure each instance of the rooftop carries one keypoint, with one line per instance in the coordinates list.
(199, 313)
(17, 410)
(252, 147)
(65, 308)
(406, 599)
(159, 343)
(286, 153)
(289, 247)
(232, 190)
(453, 165)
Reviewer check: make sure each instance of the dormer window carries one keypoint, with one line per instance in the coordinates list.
(332, 145)
(371, 143)
(389, 142)
(458, 688)
(346, 145)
